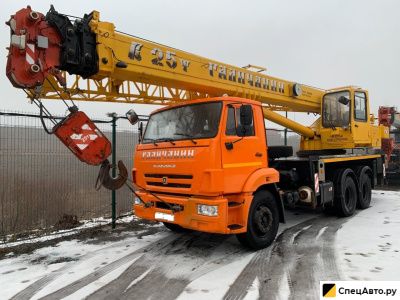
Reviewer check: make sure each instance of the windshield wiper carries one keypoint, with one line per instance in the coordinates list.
(166, 140)
(152, 140)
(186, 135)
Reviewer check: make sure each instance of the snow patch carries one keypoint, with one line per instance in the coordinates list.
(87, 224)
(368, 244)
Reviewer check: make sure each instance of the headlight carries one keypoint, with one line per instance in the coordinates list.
(207, 210)
(137, 201)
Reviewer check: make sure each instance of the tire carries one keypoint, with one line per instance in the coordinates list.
(364, 200)
(346, 194)
(262, 222)
(279, 151)
(175, 227)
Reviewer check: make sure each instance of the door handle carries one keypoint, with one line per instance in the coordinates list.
(258, 154)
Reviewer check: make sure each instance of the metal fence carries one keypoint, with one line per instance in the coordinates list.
(41, 180)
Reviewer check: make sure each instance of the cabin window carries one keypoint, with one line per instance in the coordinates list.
(360, 106)
(336, 113)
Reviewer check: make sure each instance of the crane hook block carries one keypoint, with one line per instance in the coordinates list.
(83, 138)
(109, 182)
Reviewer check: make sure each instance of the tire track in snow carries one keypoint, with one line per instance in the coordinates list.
(239, 287)
(32, 289)
(308, 263)
(167, 266)
(300, 257)
(82, 282)
(38, 285)
(190, 254)
(173, 269)
(331, 271)
(196, 249)
(263, 260)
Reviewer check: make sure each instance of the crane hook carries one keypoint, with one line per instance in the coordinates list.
(105, 179)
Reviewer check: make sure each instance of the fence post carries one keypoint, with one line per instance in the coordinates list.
(113, 158)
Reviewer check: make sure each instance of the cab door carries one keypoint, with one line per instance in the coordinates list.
(241, 155)
(361, 127)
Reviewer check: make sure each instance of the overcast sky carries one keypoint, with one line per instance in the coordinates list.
(320, 43)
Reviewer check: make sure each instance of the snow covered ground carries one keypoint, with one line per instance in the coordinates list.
(166, 265)
(36, 237)
(369, 243)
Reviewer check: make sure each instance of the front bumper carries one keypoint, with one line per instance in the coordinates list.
(188, 217)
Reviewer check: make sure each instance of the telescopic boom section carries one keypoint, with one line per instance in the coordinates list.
(111, 66)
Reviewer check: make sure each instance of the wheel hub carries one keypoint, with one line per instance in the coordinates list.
(263, 219)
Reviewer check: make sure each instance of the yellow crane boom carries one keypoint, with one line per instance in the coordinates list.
(106, 65)
(135, 70)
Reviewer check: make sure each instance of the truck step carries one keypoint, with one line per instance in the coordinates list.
(234, 226)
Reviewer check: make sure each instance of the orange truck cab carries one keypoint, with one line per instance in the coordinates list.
(202, 164)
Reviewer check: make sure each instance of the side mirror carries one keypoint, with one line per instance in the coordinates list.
(140, 128)
(246, 115)
(343, 100)
(132, 117)
(246, 120)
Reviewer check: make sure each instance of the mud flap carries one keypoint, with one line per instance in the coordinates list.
(275, 191)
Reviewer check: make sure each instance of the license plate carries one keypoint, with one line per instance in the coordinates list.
(164, 216)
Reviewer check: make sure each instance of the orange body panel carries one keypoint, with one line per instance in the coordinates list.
(207, 173)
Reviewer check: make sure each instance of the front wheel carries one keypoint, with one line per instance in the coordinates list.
(262, 223)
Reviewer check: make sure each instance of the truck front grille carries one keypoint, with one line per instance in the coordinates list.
(169, 180)
(176, 185)
(169, 176)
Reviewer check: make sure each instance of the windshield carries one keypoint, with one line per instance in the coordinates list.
(336, 114)
(184, 122)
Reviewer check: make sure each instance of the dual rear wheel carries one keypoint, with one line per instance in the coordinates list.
(352, 190)
(365, 186)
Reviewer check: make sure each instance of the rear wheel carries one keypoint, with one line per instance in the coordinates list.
(175, 227)
(346, 193)
(364, 199)
(262, 223)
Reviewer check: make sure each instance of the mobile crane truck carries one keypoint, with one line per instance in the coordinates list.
(203, 163)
